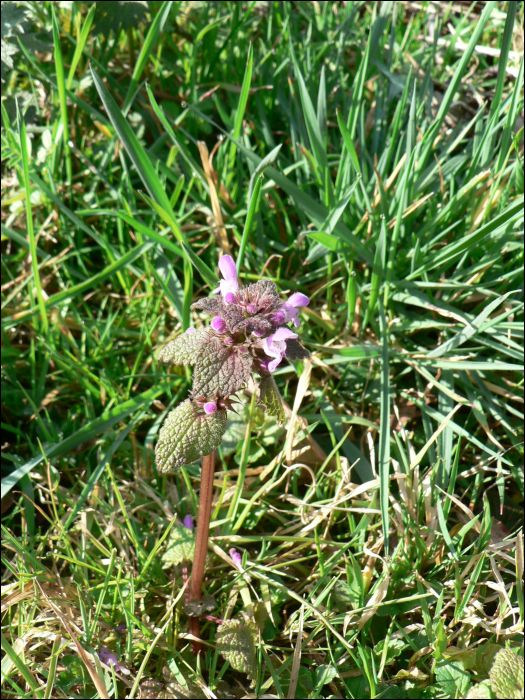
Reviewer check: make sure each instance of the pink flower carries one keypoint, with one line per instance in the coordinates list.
(210, 407)
(229, 285)
(275, 346)
(109, 658)
(290, 307)
(237, 559)
(188, 522)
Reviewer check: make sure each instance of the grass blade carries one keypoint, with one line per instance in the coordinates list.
(147, 48)
(95, 427)
(61, 84)
(30, 230)
(241, 109)
(384, 431)
(81, 43)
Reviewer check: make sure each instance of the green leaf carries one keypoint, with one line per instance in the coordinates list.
(179, 547)
(235, 641)
(186, 435)
(506, 675)
(481, 690)
(208, 275)
(271, 398)
(325, 673)
(395, 648)
(452, 679)
(185, 349)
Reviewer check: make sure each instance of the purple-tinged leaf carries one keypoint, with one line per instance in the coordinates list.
(220, 369)
(295, 351)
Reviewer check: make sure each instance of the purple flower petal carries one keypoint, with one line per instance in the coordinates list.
(298, 300)
(275, 346)
(188, 522)
(227, 267)
(237, 559)
(291, 314)
(109, 658)
(210, 407)
(190, 330)
(283, 334)
(218, 324)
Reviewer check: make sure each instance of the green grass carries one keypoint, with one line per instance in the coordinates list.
(381, 175)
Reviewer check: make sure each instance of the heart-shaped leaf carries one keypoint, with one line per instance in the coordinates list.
(186, 435)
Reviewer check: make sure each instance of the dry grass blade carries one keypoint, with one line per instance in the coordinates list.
(422, 452)
(97, 680)
(302, 388)
(222, 237)
(296, 665)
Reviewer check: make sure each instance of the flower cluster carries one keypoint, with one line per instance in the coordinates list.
(248, 334)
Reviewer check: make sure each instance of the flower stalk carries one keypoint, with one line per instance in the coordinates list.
(201, 542)
(248, 337)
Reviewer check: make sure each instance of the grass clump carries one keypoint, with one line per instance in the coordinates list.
(367, 155)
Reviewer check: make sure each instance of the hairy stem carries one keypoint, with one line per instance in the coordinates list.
(201, 541)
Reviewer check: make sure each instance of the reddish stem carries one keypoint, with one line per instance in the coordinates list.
(201, 542)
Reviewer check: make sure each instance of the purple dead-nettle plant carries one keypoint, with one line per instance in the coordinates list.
(249, 335)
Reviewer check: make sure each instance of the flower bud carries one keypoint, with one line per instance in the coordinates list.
(251, 309)
(218, 324)
(230, 298)
(210, 407)
(190, 330)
